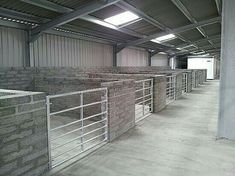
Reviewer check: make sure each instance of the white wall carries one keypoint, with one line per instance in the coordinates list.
(12, 47)
(132, 57)
(159, 60)
(203, 63)
(53, 50)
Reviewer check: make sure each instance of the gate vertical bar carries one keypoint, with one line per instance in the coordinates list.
(82, 122)
(143, 83)
(48, 131)
(186, 82)
(151, 95)
(106, 109)
(174, 83)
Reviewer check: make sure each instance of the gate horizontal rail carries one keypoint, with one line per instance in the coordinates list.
(185, 83)
(143, 99)
(170, 89)
(94, 132)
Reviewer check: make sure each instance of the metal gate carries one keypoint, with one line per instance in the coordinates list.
(170, 89)
(185, 83)
(143, 99)
(77, 122)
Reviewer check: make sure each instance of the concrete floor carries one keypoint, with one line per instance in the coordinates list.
(179, 141)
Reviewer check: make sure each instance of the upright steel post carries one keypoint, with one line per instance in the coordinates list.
(151, 95)
(48, 130)
(106, 121)
(82, 122)
(174, 82)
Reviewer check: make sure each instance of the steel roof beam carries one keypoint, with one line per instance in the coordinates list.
(126, 6)
(61, 9)
(48, 5)
(15, 15)
(218, 6)
(188, 15)
(200, 41)
(19, 15)
(63, 19)
(174, 31)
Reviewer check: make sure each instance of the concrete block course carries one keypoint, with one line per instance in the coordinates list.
(178, 85)
(121, 107)
(159, 93)
(18, 126)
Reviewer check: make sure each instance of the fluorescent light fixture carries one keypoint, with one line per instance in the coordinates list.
(179, 48)
(164, 38)
(199, 52)
(122, 18)
(161, 53)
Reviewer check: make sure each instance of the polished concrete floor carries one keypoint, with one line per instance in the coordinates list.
(178, 141)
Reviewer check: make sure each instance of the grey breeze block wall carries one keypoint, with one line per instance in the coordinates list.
(159, 92)
(23, 130)
(59, 85)
(120, 98)
(195, 78)
(204, 73)
(159, 85)
(189, 81)
(121, 107)
(178, 85)
(20, 78)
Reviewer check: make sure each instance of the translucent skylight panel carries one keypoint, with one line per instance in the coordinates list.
(122, 18)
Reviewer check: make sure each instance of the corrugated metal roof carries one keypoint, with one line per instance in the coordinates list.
(73, 4)
(201, 9)
(143, 27)
(192, 35)
(107, 12)
(162, 10)
(213, 29)
(101, 31)
(175, 42)
(28, 8)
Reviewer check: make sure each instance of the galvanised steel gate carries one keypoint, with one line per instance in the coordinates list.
(77, 122)
(170, 89)
(143, 99)
(184, 83)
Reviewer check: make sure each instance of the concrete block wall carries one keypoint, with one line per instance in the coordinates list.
(159, 82)
(16, 78)
(121, 106)
(59, 85)
(178, 85)
(142, 69)
(189, 81)
(23, 130)
(195, 80)
(159, 93)
(204, 73)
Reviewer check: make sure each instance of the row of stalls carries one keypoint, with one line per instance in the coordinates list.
(61, 113)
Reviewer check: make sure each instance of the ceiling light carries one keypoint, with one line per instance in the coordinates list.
(122, 18)
(164, 38)
(199, 52)
(179, 48)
